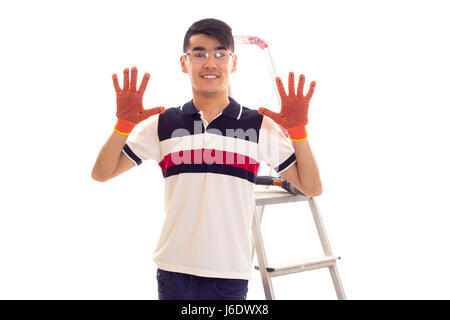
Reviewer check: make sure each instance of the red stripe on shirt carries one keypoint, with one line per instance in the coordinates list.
(209, 156)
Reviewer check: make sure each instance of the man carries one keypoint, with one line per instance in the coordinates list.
(209, 150)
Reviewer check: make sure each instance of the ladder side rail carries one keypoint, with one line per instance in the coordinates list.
(327, 249)
(320, 227)
(262, 259)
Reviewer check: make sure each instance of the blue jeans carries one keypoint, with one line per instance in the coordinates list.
(181, 286)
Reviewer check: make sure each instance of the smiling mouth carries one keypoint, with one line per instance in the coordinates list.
(210, 76)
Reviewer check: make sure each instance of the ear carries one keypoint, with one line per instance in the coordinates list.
(234, 62)
(183, 64)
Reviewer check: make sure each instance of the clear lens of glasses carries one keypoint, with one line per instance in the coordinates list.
(201, 56)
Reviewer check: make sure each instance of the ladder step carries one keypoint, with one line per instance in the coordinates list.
(265, 197)
(300, 265)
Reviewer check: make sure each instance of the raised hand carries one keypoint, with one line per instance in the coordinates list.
(129, 102)
(294, 108)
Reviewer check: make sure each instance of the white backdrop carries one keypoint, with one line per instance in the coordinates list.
(378, 128)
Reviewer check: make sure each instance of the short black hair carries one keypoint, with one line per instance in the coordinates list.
(211, 27)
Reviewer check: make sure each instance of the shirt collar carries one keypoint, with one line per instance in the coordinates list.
(233, 110)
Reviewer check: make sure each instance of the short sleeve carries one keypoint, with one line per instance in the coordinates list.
(143, 142)
(274, 147)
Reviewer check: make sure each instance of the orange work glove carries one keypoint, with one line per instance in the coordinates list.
(294, 108)
(129, 102)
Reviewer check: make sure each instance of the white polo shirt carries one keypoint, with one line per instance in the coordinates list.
(209, 171)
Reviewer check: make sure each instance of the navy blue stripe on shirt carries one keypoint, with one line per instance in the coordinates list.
(213, 168)
(175, 123)
(286, 163)
(131, 154)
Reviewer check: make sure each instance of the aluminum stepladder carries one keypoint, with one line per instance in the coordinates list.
(267, 196)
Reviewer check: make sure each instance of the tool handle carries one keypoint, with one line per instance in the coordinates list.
(277, 181)
(290, 188)
(265, 180)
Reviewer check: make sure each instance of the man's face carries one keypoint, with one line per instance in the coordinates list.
(208, 78)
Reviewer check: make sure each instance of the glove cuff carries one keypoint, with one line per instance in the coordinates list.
(298, 133)
(123, 127)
